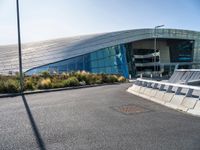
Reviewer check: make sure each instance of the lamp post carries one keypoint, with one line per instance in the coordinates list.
(19, 48)
(155, 45)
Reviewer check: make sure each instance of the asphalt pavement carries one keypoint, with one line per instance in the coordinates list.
(98, 118)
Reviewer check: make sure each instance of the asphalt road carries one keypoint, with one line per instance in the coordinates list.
(88, 119)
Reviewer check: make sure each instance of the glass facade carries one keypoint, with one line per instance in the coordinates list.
(181, 51)
(111, 60)
(183, 34)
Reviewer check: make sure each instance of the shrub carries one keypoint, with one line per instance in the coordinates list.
(98, 79)
(82, 83)
(45, 74)
(57, 85)
(71, 81)
(109, 78)
(45, 84)
(87, 77)
(33, 78)
(2, 87)
(64, 75)
(46, 81)
(81, 75)
(112, 78)
(104, 78)
(121, 79)
(29, 85)
(95, 79)
(55, 79)
(11, 86)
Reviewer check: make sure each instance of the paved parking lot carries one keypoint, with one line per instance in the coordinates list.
(105, 117)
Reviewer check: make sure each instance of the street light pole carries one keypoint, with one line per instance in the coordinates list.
(19, 48)
(155, 45)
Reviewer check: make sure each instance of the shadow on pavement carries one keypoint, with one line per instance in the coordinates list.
(38, 137)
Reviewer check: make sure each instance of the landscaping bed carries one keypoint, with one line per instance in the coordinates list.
(10, 84)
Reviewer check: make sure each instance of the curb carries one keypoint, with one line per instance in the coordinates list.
(54, 90)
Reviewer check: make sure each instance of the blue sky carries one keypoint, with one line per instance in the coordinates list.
(48, 19)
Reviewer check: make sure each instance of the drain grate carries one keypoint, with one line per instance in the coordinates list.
(130, 109)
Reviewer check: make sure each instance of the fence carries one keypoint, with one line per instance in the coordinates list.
(185, 76)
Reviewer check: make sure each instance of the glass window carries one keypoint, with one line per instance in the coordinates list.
(102, 70)
(112, 51)
(114, 70)
(93, 56)
(100, 54)
(62, 68)
(117, 50)
(80, 66)
(101, 63)
(94, 70)
(86, 57)
(108, 62)
(87, 66)
(71, 65)
(181, 51)
(112, 60)
(106, 52)
(108, 70)
(94, 64)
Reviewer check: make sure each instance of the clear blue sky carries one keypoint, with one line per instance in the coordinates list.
(47, 19)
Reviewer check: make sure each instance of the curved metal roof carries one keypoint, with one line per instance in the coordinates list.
(45, 52)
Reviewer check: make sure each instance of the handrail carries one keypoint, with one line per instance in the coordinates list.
(198, 70)
(170, 84)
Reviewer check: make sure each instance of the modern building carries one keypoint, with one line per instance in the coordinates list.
(130, 52)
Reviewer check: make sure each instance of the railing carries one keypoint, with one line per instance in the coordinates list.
(182, 89)
(185, 76)
(147, 55)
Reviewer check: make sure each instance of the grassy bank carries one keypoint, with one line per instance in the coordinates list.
(10, 84)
